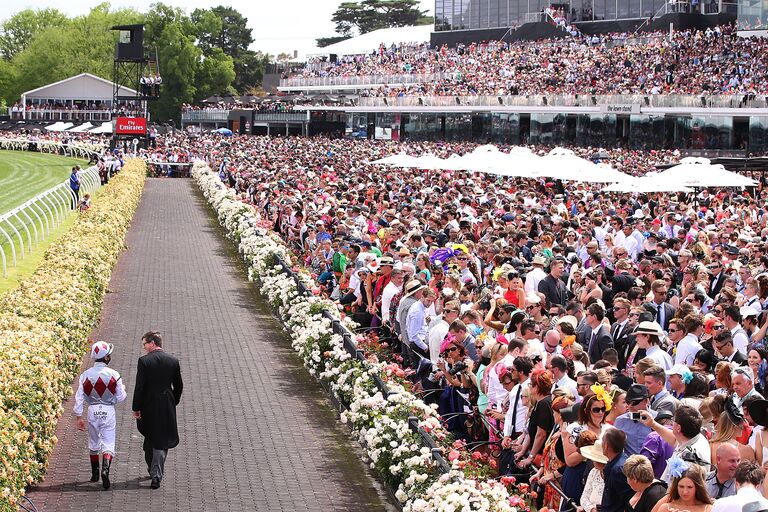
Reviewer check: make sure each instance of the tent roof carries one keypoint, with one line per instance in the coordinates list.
(84, 86)
(366, 43)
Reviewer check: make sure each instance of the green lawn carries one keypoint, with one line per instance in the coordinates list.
(24, 175)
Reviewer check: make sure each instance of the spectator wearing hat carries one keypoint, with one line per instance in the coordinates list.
(535, 275)
(640, 477)
(411, 295)
(678, 377)
(721, 482)
(663, 310)
(685, 435)
(749, 478)
(648, 337)
(617, 492)
(552, 286)
(592, 496)
(637, 400)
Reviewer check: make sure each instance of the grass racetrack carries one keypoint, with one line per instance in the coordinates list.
(24, 175)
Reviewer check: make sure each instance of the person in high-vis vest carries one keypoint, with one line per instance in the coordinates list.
(101, 387)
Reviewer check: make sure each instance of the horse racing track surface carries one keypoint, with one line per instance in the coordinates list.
(23, 175)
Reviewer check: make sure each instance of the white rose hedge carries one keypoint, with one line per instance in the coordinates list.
(44, 328)
(381, 423)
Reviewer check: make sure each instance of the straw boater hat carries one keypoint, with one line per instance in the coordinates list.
(594, 453)
(412, 287)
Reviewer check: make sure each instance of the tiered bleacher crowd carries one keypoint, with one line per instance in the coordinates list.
(714, 61)
(607, 348)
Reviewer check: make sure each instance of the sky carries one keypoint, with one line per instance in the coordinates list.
(278, 26)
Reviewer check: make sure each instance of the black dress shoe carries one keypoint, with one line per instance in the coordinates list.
(94, 471)
(155, 483)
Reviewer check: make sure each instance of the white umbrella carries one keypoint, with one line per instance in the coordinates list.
(105, 127)
(564, 164)
(82, 127)
(646, 184)
(398, 160)
(700, 172)
(59, 127)
(430, 162)
(515, 164)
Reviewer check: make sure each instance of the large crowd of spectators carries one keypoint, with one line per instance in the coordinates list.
(611, 346)
(713, 61)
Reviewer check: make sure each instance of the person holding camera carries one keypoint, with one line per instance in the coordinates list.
(637, 401)
(685, 435)
(455, 372)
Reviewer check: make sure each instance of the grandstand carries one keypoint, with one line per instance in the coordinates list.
(699, 91)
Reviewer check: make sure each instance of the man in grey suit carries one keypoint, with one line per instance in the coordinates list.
(599, 334)
(655, 379)
(663, 310)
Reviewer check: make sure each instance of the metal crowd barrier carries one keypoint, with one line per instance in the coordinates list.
(46, 146)
(46, 211)
(351, 347)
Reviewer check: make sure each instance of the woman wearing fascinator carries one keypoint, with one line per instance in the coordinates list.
(687, 492)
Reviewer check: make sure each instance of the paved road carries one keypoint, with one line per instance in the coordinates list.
(256, 431)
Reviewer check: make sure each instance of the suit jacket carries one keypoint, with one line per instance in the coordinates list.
(554, 290)
(715, 285)
(665, 402)
(602, 340)
(623, 341)
(157, 393)
(669, 312)
(622, 282)
(739, 358)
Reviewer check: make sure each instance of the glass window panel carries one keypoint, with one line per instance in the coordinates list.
(634, 8)
(623, 9)
(541, 129)
(600, 9)
(758, 134)
(502, 16)
(587, 11)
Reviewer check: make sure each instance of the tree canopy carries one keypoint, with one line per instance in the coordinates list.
(200, 54)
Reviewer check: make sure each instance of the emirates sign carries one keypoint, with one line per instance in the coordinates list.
(131, 126)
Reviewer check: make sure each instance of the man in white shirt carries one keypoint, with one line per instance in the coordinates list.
(439, 330)
(559, 368)
(732, 321)
(394, 286)
(416, 323)
(686, 346)
(517, 415)
(534, 277)
(749, 480)
(685, 435)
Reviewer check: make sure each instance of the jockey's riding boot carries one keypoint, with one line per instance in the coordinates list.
(105, 471)
(94, 468)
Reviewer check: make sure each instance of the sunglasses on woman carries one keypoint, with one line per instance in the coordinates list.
(598, 410)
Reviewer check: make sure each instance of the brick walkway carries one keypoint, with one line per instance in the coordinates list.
(256, 431)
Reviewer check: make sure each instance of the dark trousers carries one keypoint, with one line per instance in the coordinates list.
(77, 198)
(155, 459)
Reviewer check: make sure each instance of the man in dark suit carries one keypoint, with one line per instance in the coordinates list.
(158, 391)
(718, 278)
(600, 336)
(621, 330)
(622, 280)
(723, 342)
(553, 286)
(663, 310)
